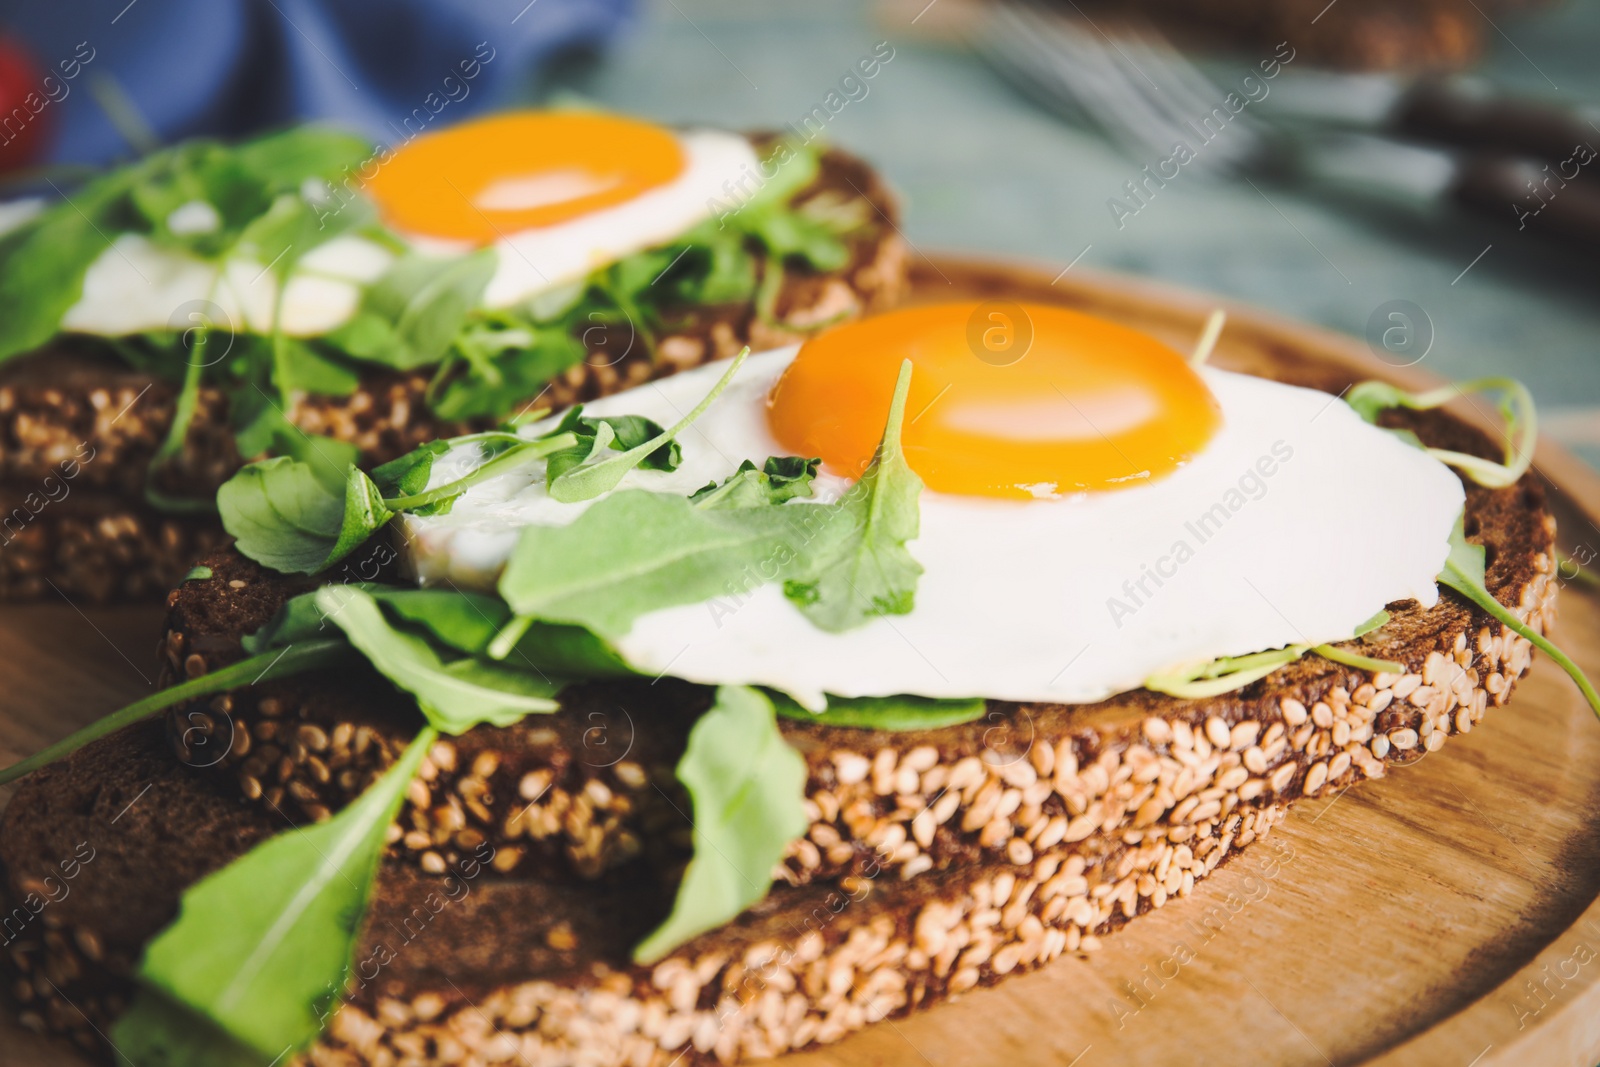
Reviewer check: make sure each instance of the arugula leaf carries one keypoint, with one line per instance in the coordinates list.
(780, 479)
(282, 514)
(1464, 572)
(409, 317)
(504, 362)
(464, 621)
(300, 367)
(454, 696)
(592, 479)
(634, 552)
(791, 233)
(711, 266)
(620, 433)
(409, 473)
(164, 1034)
(42, 263)
(301, 657)
(1199, 681)
(364, 510)
(329, 459)
(600, 438)
(1370, 398)
(631, 431)
(509, 452)
(861, 568)
(748, 791)
(286, 158)
(257, 945)
(897, 713)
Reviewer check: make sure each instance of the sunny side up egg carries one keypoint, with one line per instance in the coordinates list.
(557, 194)
(1094, 513)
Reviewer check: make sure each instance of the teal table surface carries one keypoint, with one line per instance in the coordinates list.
(983, 170)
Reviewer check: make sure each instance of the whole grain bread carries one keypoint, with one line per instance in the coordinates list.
(581, 786)
(935, 861)
(76, 419)
(468, 967)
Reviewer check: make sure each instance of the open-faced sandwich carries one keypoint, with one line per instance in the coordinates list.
(738, 711)
(307, 294)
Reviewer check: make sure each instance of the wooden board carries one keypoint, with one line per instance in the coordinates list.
(1445, 915)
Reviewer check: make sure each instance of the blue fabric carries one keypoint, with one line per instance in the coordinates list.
(227, 67)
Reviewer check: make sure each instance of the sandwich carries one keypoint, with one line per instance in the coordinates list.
(792, 693)
(309, 294)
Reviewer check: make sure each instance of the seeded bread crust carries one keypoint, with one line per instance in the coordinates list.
(74, 417)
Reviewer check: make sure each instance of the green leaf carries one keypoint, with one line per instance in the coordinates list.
(860, 567)
(197, 574)
(43, 262)
(300, 368)
(793, 234)
(409, 474)
(495, 367)
(464, 621)
(258, 945)
(160, 1033)
(409, 317)
(508, 452)
(282, 514)
(897, 713)
(634, 552)
(633, 431)
(330, 459)
(303, 656)
(455, 696)
(285, 159)
(619, 433)
(592, 479)
(748, 791)
(1200, 681)
(599, 440)
(794, 166)
(781, 478)
(1517, 409)
(364, 515)
(1464, 572)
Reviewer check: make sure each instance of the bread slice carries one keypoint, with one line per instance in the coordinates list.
(76, 421)
(583, 788)
(935, 861)
(470, 967)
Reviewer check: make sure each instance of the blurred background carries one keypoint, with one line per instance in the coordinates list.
(1421, 174)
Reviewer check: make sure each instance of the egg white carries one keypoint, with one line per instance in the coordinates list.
(532, 261)
(136, 286)
(1062, 600)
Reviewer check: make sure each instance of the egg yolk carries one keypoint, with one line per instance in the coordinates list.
(487, 179)
(1006, 400)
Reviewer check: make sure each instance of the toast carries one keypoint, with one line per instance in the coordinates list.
(935, 861)
(79, 425)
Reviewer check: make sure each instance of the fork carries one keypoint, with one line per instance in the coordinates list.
(1136, 88)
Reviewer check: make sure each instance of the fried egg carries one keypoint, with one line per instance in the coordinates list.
(556, 194)
(1095, 511)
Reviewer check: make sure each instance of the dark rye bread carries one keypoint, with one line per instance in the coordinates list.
(971, 855)
(1025, 778)
(77, 422)
(467, 967)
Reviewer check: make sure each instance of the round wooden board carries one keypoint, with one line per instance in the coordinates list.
(1445, 915)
